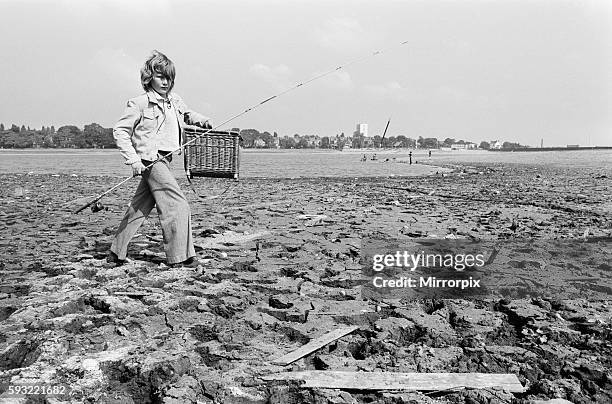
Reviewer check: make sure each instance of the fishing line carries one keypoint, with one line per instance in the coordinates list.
(228, 120)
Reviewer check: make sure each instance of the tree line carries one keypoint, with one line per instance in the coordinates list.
(92, 136)
(98, 137)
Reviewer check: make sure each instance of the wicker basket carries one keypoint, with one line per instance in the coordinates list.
(212, 154)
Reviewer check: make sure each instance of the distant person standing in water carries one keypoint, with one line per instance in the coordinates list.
(429, 153)
(410, 156)
(149, 128)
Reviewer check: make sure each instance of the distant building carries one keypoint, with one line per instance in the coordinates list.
(360, 136)
(495, 144)
(464, 146)
(362, 129)
(313, 140)
(259, 143)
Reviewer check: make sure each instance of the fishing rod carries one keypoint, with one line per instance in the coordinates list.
(249, 109)
(385, 132)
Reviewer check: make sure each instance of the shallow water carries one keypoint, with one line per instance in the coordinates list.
(575, 159)
(253, 163)
(295, 163)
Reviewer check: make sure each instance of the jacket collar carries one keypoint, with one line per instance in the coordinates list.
(156, 98)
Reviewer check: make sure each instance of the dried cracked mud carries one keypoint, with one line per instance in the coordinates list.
(283, 264)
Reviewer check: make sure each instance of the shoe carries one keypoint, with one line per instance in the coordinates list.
(112, 258)
(192, 262)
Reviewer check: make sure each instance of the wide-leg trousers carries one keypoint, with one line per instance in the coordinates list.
(158, 187)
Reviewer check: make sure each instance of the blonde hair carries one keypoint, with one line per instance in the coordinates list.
(157, 63)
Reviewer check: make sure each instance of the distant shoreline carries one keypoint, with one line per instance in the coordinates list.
(543, 149)
(70, 150)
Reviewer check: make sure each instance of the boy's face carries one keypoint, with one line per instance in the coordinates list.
(161, 83)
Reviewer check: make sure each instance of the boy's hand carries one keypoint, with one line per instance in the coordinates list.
(193, 118)
(137, 168)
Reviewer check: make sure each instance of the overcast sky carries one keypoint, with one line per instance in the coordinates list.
(477, 70)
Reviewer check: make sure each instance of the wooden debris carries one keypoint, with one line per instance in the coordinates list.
(313, 345)
(228, 239)
(132, 294)
(400, 381)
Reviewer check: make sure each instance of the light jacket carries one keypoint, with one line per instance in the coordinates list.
(136, 131)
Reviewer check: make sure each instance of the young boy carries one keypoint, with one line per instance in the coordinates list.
(151, 127)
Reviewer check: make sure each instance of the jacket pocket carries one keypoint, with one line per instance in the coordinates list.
(148, 123)
(149, 113)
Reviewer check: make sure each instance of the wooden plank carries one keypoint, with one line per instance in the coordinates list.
(132, 294)
(400, 381)
(313, 345)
